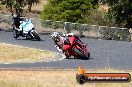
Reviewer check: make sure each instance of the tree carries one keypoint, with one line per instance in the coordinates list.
(18, 5)
(31, 2)
(120, 11)
(67, 10)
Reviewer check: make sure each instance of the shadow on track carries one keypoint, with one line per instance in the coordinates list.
(29, 39)
(72, 58)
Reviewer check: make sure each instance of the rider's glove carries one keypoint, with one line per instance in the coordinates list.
(20, 30)
(17, 29)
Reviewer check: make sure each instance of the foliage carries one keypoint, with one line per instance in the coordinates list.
(120, 11)
(0, 6)
(98, 18)
(57, 24)
(67, 10)
(31, 2)
(18, 5)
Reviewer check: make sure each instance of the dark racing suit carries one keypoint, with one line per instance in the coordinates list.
(16, 23)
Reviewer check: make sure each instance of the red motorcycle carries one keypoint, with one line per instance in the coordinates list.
(73, 46)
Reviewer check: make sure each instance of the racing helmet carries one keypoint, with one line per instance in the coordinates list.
(55, 36)
(16, 16)
(23, 20)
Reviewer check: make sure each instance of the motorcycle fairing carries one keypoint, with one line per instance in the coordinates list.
(27, 26)
(72, 40)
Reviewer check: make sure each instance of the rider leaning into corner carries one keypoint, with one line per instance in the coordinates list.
(60, 39)
(17, 20)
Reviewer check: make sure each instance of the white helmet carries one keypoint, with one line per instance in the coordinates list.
(55, 36)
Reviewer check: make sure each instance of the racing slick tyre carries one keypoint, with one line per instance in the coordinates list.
(81, 79)
(36, 36)
(79, 53)
(88, 56)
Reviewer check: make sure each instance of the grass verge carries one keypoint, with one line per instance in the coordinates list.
(14, 53)
(51, 78)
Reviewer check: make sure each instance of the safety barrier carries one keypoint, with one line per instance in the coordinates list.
(91, 31)
(82, 30)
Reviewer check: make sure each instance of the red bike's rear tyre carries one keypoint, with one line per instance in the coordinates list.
(79, 53)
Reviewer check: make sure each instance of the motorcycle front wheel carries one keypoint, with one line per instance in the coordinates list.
(79, 53)
(36, 36)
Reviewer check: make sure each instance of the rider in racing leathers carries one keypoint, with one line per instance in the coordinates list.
(19, 24)
(60, 39)
(16, 23)
(16, 20)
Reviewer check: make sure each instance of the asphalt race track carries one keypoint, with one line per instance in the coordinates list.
(104, 53)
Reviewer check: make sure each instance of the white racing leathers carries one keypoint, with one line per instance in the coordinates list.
(60, 43)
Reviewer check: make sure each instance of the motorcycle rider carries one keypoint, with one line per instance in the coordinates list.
(16, 23)
(16, 20)
(61, 39)
(58, 39)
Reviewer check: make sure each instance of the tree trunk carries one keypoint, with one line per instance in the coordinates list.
(30, 7)
(129, 20)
